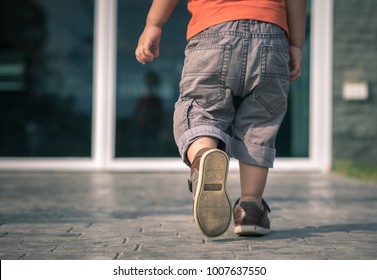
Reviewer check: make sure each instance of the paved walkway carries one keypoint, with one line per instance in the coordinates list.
(148, 216)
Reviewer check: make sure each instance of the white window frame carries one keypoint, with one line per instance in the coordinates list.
(104, 97)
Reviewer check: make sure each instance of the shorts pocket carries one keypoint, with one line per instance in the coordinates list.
(273, 88)
(204, 74)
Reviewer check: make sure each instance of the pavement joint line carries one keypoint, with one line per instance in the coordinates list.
(20, 243)
(53, 249)
(138, 247)
(21, 257)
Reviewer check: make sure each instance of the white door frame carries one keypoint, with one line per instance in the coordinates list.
(104, 97)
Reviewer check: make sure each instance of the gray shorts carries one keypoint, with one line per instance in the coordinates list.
(234, 87)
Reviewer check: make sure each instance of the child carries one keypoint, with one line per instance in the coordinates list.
(239, 60)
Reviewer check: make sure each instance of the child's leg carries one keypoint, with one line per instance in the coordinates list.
(253, 182)
(250, 211)
(200, 143)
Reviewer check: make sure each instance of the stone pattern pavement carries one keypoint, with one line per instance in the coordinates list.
(108, 216)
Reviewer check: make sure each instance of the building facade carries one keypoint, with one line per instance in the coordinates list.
(73, 97)
(355, 82)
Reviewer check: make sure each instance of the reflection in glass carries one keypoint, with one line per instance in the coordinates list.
(46, 65)
(146, 94)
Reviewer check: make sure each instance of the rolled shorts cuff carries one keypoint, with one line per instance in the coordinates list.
(199, 131)
(253, 154)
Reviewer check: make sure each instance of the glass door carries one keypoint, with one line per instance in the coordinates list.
(46, 69)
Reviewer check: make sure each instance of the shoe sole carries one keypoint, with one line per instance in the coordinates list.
(212, 207)
(251, 230)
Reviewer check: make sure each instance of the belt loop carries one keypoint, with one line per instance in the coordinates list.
(245, 25)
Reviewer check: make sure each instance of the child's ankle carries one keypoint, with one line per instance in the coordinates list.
(256, 199)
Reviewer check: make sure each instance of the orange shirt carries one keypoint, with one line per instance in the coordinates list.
(206, 13)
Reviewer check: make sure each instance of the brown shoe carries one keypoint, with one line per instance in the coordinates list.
(250, 219)
(211, 207)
